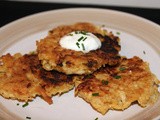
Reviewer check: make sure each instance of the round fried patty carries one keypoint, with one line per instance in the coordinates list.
(23, 78)
(119, 86)
(55, 57)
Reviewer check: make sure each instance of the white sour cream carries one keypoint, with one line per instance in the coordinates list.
(80, 41)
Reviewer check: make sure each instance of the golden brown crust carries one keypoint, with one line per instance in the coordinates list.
(54, 57)
(119, 86)
(23, 78)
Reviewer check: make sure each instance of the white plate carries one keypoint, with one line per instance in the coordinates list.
(139, 37)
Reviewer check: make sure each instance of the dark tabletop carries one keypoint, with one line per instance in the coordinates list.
(10, 11)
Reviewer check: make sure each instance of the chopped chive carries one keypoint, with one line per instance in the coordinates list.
(76, 32)
(28, 117)
(17, 104)
(122, 68)
(95, 94)
(96, 118)
(88, 76)
(32, 52)
(117, 77)
(26, 104)
(84, 38)
(80, 39)
(103, 26)
(83, 32)
(144, 52)
(70, 34)
(105, 82)
(118, 33)
(77, 44)
(83, 46)
(40, 68)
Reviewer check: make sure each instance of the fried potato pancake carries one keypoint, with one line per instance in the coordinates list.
(119, 86)
(23, 78)
(55, 57)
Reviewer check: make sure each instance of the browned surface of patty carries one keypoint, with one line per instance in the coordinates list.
(23, 78)
(54, 57)
(119, 86)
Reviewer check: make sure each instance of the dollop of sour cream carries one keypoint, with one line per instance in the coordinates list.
(80, 41)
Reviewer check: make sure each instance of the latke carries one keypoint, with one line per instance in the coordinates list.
(23, 78)
(119, 86)
(55, 57)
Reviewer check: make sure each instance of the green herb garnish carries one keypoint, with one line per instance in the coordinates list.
(84, 38)
(144, 52)
(96, 118)
(103, 26)
(25, 105)
(70, 34)
(28, 117)
(80, 39)
(118, 33)
(17, 104)
(105, 82)
(77, 44)
(88, 76)
(83, 46)
(117, 77)
(32, 52)
(95, 94)
(122, 68)
(83, 32)
(76, 32)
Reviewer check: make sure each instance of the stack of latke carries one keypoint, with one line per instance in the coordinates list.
(102, 77)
